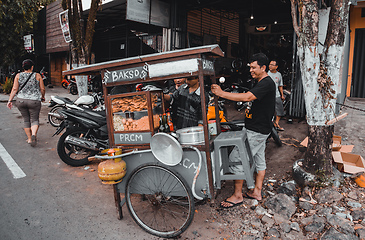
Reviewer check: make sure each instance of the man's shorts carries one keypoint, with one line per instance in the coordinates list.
(257, 143)
(279, 108)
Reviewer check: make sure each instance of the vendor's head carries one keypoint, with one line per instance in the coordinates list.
(192, 81)
(179, 81)
(27, 64)
(259, 65)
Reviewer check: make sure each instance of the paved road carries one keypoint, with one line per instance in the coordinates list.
(56, 201)
(52, 200)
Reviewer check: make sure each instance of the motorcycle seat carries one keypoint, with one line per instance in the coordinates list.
(64, 99)
(98, 116)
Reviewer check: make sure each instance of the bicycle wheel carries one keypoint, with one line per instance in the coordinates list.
(159, 200)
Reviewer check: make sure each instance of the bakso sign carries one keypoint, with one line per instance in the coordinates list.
(129, 74)
(187, 66)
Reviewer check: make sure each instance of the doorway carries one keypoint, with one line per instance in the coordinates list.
(358, 69)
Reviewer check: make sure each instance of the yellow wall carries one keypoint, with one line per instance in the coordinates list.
(356, 21)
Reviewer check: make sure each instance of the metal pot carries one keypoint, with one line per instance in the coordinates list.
(191, 135)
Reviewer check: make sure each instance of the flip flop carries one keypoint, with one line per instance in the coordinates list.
(232, 204)
(280, 129)
(249, 197)
(34, 141)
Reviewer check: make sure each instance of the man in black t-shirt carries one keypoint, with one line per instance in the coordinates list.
(258, 124)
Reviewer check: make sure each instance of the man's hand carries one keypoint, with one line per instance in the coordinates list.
(216, 89)
(282, 97)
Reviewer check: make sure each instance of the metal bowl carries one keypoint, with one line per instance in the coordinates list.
(166, 149)
(191, 135)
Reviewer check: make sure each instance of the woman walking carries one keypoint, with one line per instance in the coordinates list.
(30, 91)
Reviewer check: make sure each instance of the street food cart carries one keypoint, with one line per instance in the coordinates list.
(164, 175)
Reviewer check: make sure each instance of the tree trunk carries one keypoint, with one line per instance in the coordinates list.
(81, 46)
(320, 76)
(317, 159)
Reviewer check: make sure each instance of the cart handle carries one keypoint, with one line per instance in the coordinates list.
(135, 151)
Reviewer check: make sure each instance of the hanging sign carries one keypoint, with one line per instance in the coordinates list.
(129, 74)
(65, 26)
(28, 42)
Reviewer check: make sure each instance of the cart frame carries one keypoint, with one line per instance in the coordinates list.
(204, 57)
(198, 61)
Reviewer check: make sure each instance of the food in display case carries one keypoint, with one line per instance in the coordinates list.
(130, 113)
(132, 104)
(128, 124)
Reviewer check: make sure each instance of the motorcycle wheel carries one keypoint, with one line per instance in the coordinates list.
(54, 121)
(73, 155)
(64, 85)
(73, 89)
(274, 134)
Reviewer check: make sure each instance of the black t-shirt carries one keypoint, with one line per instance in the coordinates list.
(259, 117)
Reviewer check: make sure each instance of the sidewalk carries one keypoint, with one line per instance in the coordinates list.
(56, 90)
(352, 127)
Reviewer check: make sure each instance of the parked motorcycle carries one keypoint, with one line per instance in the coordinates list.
(237, 88)
(94, 83)
(72, 87)
(94, 102)
(65, 82)
(86, 134)
(44, 76)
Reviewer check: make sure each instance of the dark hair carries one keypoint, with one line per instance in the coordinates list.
(261, 59)
(274, 60)
(27, 64)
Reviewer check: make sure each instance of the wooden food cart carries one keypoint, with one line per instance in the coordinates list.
(160, 196)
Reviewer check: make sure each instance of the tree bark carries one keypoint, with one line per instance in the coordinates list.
(318, 157)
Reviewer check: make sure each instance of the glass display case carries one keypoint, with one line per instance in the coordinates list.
(136, 116)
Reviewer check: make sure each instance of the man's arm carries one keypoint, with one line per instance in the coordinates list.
(281, 93)
(281, 88)
(245, 97)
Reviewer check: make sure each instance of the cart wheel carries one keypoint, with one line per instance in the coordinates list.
(159, 200)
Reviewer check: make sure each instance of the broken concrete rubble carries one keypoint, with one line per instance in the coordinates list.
(335, 213)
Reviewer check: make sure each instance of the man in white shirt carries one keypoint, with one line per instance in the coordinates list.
(278, 79)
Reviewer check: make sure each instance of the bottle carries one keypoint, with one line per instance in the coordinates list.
(161, 128)
(165, 123)
(169, 122)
